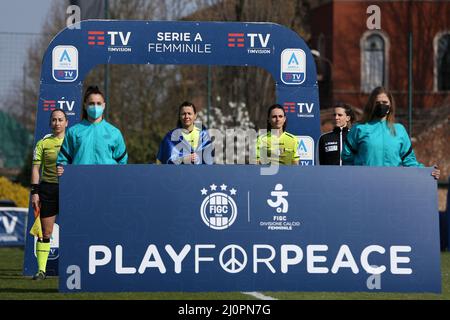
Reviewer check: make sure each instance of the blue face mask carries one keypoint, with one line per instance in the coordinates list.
(94, 111)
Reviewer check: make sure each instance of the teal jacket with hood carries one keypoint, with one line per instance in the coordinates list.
(93, 143)
(374, 144)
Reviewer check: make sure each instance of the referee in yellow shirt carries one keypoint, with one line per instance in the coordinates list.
(277, 146)
(45, 187)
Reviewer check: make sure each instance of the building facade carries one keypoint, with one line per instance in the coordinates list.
(364, 44)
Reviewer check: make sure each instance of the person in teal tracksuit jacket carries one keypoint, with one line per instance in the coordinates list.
(377, 140)
(93, 140)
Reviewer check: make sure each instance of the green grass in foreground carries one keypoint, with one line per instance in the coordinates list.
(15, 286)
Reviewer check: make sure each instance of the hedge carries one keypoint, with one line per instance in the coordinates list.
(15, 192)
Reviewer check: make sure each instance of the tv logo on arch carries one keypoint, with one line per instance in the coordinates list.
(257, 43)
(306, 150)
(293, 66)
(117, 40)
(65, 63)
(303, 109)
(62, 103)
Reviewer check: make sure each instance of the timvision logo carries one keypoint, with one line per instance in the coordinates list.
(254, 43)
(116, 41)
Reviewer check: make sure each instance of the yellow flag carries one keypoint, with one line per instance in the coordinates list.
(36, 229)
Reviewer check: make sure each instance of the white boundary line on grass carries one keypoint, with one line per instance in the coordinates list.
(259, 295)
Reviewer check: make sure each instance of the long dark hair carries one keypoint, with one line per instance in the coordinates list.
(275, 106)
(369, 108)
(90, 90)
(184, 104)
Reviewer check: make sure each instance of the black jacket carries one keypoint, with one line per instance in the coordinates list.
(330, 146)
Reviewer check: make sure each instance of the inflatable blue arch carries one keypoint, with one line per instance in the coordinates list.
(73, 53)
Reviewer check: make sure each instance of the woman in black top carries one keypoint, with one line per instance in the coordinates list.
(330, 143)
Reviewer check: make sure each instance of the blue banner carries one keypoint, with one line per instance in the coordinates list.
(13, 222)
(229, 228)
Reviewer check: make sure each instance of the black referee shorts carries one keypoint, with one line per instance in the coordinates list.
(49, 197)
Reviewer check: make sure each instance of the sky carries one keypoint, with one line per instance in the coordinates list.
(20, 23)
(19, 19)
(23, 15)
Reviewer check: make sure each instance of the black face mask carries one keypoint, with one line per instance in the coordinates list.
(381, 109)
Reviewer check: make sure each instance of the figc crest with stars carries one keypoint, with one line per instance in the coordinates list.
(218, 209)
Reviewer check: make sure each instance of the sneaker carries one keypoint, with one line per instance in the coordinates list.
(40, 275)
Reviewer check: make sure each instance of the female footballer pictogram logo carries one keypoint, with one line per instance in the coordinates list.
(218, 210)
